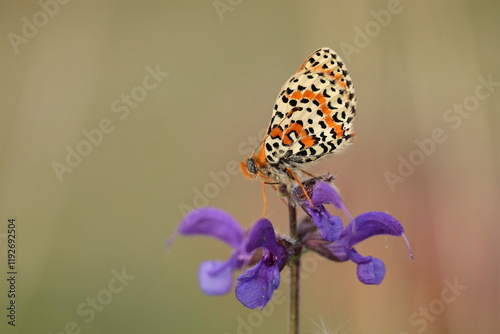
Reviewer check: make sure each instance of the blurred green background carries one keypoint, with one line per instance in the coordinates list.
(419, 69)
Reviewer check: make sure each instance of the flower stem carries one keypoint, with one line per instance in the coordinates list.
(295, 271)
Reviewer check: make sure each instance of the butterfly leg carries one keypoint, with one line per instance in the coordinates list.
(280, 192)
(264, 197)
(294, 176)
(275, 187)
(308, 174)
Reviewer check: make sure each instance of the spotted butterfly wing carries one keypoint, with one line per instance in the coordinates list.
(314, 113)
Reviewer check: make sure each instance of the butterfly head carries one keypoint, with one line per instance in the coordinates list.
(249, 168)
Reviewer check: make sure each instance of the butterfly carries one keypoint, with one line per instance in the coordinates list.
(312, 118)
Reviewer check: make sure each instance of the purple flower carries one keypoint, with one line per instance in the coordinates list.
(216, 277)
(371, 270)
(256, 286)
(337, 243)
(321, 193)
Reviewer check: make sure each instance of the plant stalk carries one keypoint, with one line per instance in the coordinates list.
(294, 270)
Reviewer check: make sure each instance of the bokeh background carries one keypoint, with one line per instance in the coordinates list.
(417, 69)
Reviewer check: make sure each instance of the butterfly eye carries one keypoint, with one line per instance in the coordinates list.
(251, 168)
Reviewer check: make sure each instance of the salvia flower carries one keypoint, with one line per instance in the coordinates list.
(336, 242)
(255, 286)
(268, 253)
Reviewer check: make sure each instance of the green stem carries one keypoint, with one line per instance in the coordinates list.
(295, 271)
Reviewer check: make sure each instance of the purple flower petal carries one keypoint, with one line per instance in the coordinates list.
(261, 235)
(212, 222)
(369, 224)
(339, 250)
(371, 272)
(256, 286)
(216, 277)
(324, 193)
(329, 226)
